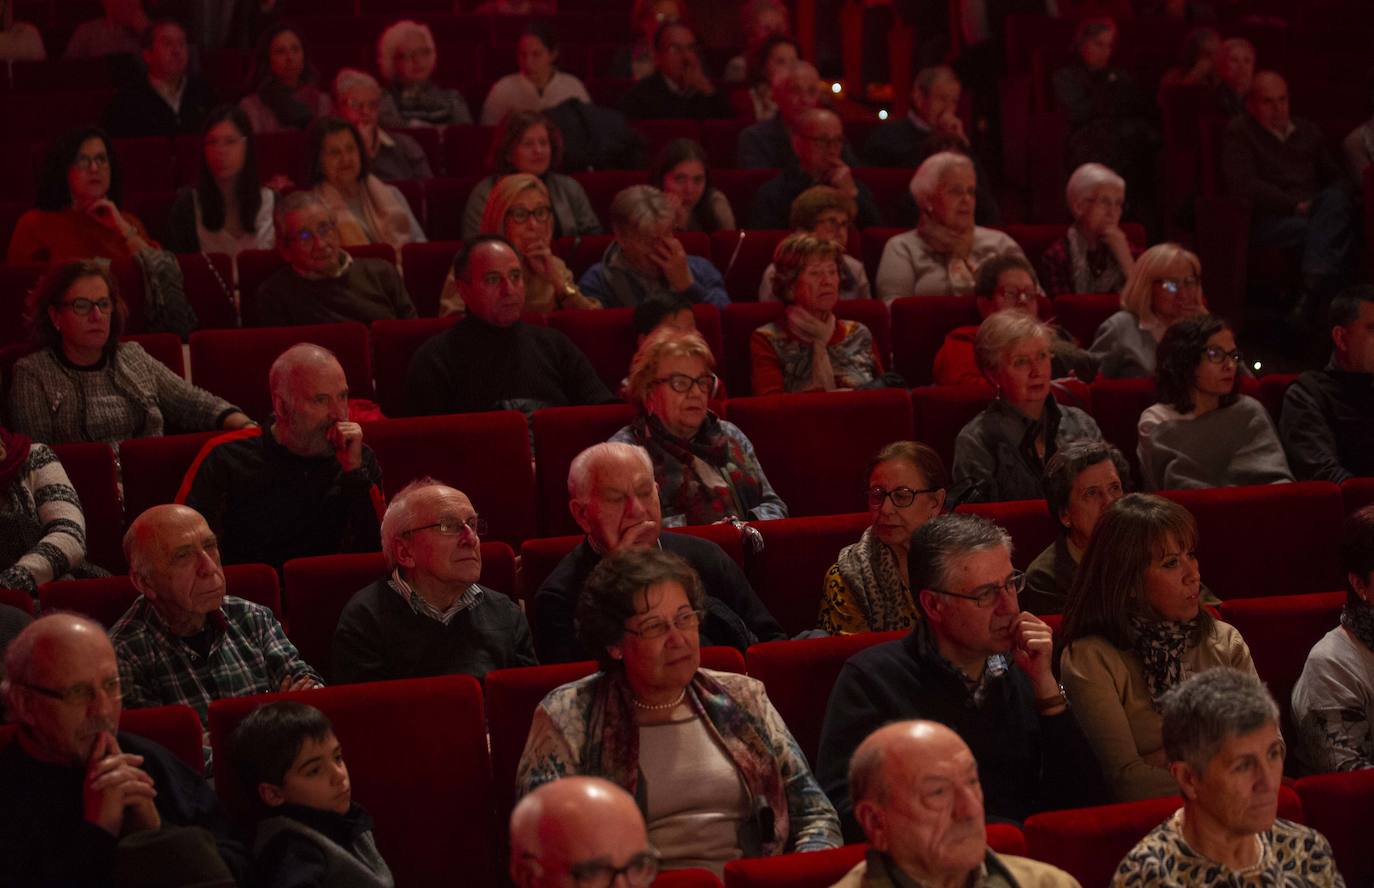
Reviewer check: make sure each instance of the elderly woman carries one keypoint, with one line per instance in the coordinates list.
(716, 771)
(1164, 286)
(1133, 629)
(810, 349)
(1005, 447)
(228, 210)
(391, 156)
(538, 85)
(826, 213)
(366, 209)
(646, 262)
(287, 92)
(680, 171)
(867, 588)
(406, 58)
(705, 467)
(1094, 256)
(83, 384)
(528, 142)
(1203, 433)
(941, 255)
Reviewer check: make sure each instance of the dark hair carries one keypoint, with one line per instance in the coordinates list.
(943, 538)
(464, 254)
(758, 59)
(149, 35)
(54, 194)
(1178, 357)
(615, 591)
(1193, 43)
(53, 287)
(922, 456)
(1357, 546)
(314, 146)
(679, 151)
(1202, 712)
(265, 743)
(663, 29)
(985, 284)
(248, 185)
(261, 74)
(1089, 28)
(510, 131)
(651, 312)
(543, 31)
(1345, 306)
(1068, 463)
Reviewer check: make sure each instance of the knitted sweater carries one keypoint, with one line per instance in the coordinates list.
(42, 530)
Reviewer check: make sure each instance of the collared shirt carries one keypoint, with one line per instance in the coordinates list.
(471, 597)
(172, 96)
(993, 669)
(345, 263)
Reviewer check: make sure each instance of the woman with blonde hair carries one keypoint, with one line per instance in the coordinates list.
(1164, 286)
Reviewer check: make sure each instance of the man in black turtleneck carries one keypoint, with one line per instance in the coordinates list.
(490, 360)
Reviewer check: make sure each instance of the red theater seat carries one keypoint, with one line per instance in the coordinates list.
(874, 240)
(145, 164)
(1356, 493)
(891, 189)
(603, 185)
(1272, 388)
(163, 347)
(919, 327)
(417, 755)
(465, 149)
(738, 186)
(207, 275)
(940, 412)
(658, 133)
(106, 599)
(790, 572)
(1341, 807)
(720, 138)
(1028, 522)
(607, 338)
(256, 266)
(426, 268)
(687, 878)
(17, 598)
(93, 472)
(446, 196)
(1117, 405)
(1082, 313)
(15, 283)
(560, 434)
(154, 467)
(393, 345)
(738, 323)
(742, 257)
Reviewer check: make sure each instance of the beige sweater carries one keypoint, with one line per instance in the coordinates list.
(1027, 873)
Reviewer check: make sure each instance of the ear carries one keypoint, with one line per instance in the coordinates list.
(401, 553)
(1186, 778)
(272, 796)
(930, 603)
(616, 651)
(871, 821)
(1064, 518)
(579, 514)
(53, 315)
(1340, 337)
(1358, 583)
(939, 500)
(143, 584)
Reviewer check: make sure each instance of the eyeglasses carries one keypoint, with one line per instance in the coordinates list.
(682, 383)
(1217, 355)
(421, 52)
(986, 595)
(452, 526)
(520, 215)
(1174, 285)
(82, 695)
(901, 496)
(639, 872)
(691, 48)
(684, 620)
(92, 161)
(83, 307)
(307, 236)
(1016, 297)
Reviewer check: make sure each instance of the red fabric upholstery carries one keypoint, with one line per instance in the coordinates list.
(205, 291)
(1356, 493)
(658, 133)
(847, 427)
(106, 599)
(485, 455)
(175, 727)
(256, 266)
(1340, 807)
(603, 185)
(738, 186)
(560, 434)
(153, 209)
(891, 187)
(738, 323)
(800, 674)
(687, 878)
(165, 347)
(446, 196)
(1028, 522)
(742, 257)
(789, 573)
(1272, 388)
(465, 150)
(919, 327)
(940, 412)
(15, 283)
(92, 470)
(815, 869)
(393, 345)
(153, 468)
(607, 338)
(1082, 313)
(417, 751)
(874, 239)
(873, 314)
(234, 363)
(426, 268)
(17, 599)
(145, 163)
(1117, 405)
(720, 138)
(281, 154)
(1006, 838)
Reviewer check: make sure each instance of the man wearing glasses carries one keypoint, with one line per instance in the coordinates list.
(976, 663)
(430, 616)
(818, 143)
(580, 831)
(679, 88)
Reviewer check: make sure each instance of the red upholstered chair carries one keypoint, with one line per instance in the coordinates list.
(1117, 405)
(603, 185)
(658, 133)
(1028, 522)
(256, 266)
(106, 599)
(1340, 807)
(426, 268)
(17, 598)
(687, 878)
(92, 470)
(393, 345)
(1272, 388)
(581, 253)
(446, 196)
(941, 411)
(281, 154)
(234, 363)
(207, 276)
(15, 283)
(1356, 493)
(891, 187)
(789, 573)
(1278, 539)
(919, 327)
(738, 323)
(874, 240)
(720, 138)
(560, 434)
(738, 186)
(607, 338)
(154, 468)
(164, 347)
(465, 149)
(815, 869)
(145, 163)
(842, 431)
(485, 455)
(1082, 313)
(417, 756)
(742, 257)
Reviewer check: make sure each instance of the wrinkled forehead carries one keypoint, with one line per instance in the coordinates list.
(433, 503)
(60, 659)
(320, 377)
(308, 216)
(620, 474)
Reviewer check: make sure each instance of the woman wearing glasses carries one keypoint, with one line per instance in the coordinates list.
(810, 349)
(1094, 256)
(716, 771)
(1164, 286)
(705, 467)
(83, 384)
(1203, 432)
(1134, 627)
(366, 209)
(867, 588)
(228, 210)
(827, 213)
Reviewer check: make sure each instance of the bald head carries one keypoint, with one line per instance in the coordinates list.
(142, 541)
(302, 358)
(174, 562)
(818, 141)
(796, 88)
(575, 820)
(309, 397)
(1268, 101)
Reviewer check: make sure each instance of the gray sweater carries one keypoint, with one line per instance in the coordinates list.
(1223, 447)
(1125, 350)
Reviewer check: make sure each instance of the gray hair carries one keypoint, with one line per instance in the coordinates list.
(928, 77)
(939, 541)
(349, 79)
(1088, 178)
(392, 38)
(1066, 465)
(1203, 711)
(294, 203)
(586, 462)
(640, 209)
(400, 513)
(1000, 331)
(932, 171)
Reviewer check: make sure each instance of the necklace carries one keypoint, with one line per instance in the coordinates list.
(661, 706)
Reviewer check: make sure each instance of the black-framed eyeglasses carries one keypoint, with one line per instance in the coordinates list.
(82, 695)
(83, 307)
(682, 383)
(1215, 355)
(639, 871)
(452, 526)
(901, 496)
(987, 594)
(683, 620)
(520, 215)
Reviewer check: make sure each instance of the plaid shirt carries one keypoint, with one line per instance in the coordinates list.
(250, 654)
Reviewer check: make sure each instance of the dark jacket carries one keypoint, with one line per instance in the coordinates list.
(368, 290)
(773, 201)
(300, 847)
(653, 98)
(139, 110)
(1273, 177)
(768, 145)
(1327, 425)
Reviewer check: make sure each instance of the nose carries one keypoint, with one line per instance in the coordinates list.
(1191, 573)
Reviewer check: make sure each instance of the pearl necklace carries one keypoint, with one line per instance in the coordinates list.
(661, 706)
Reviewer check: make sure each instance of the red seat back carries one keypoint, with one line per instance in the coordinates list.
(1340, 807)
(1082, 313)
(874, 240)
(91, 467)
(1117, 405)
(891, 189)
(742, 257)
(465, 149)
(919, 327)
(738, 323)
(446, 196)
(162, 347)
(603, 185)
(687, 878)
(177, 728)
(393, 345)
(560, 434)
(426, 268)
(607, 338)
(941, 412)
(1028, 522)
(1356, 493)
(15, 283)
(154, 467)
(106, 599)
(790, 572)
(738, 186)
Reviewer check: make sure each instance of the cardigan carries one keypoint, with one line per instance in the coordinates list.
(1228, 446)
(516, 92)
(1333, 706)
(42, 529)
(997, 447)
(910, 268)
(572, 209)
(52, 237)
(1125, 347)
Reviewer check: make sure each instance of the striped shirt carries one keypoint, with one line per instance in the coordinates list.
(42, 530)
(471, 597)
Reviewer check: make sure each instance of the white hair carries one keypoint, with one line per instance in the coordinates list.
(586, 462)
(932, 170)
(392, 38)
(1087, 179)
(349, 79)
(400, 514)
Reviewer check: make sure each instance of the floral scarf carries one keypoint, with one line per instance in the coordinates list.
(955, 246)
(683, 468)
(869, 569)
(1160, 644)
(1094, 270)
(1358, 618)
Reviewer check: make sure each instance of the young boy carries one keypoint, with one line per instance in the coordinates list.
(312, 833)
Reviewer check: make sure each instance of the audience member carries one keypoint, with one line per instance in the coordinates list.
(538, 85)
(650, 317)
(614, 498)
(491, 360)
(932, 125)
(1003, 449)
(430, 616)
(941, 255)
(389, 156)
(637, 61)
(183, 640)
(705, 468)
(646, 262)
(678, 88)
(287, 93)
(720, 775)
(796, 89)
(406, 58)
(304, 485)
(118, 32)
(868, 588)
(824, 212)
(1225, 753)
(366, 210)
(166, 100)
(83, 384)
(809, 348)
(1081, 481)
(817, 140)
(976, 663)
(228, 210)
(1164, 286)
(760, 21)
(580, 829)
(1197, 63)
(1202, 432)
(1094, 256)
(918, 798)
(85, 803)
(310, 833)
(1358, 146)
(1236, 72)
(1133, 627)
(778, 51)
(19, 41)
(680, 171)
(1327, 420)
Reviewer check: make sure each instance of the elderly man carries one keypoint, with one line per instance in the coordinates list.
(917, 796)
(579, 830)
(321, 283)
(430, 617)
(818, 142)
(390, 156)
(614, 499)
(490, 360)
(1221, 733)
(166, 101)
(797, 88)
(646, 263)
(305, 485)
(1327, 422)
(183, 640)
(977, 663)
(83, 801)
(679, 88)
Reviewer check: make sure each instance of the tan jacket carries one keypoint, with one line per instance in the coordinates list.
(1025, 873)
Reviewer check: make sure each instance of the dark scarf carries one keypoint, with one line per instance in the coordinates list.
(14, 452)
(1160, 644)
(673, 457)
(294, 108)
(1358, 618)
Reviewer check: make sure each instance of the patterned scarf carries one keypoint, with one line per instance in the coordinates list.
(1160, 645)
(955, 246)
(1094, 270)
(613, 744)
(426, 103)
(1358, 618)
(679, 473)
(14, 450)
(869, 569)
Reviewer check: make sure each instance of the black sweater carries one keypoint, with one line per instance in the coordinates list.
(369, 290)
(1327, 425)
(653, 98)
(139, 110)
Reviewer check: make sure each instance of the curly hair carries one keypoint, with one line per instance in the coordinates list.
(509, 133)
(618, 589)
(314, 147)
(665, 343)
(792, 255)
(1178, 357)
(53, 287)
(54, 193)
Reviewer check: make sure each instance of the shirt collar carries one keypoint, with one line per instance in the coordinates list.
(928, 650)
(216, 620)
(470, 597)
